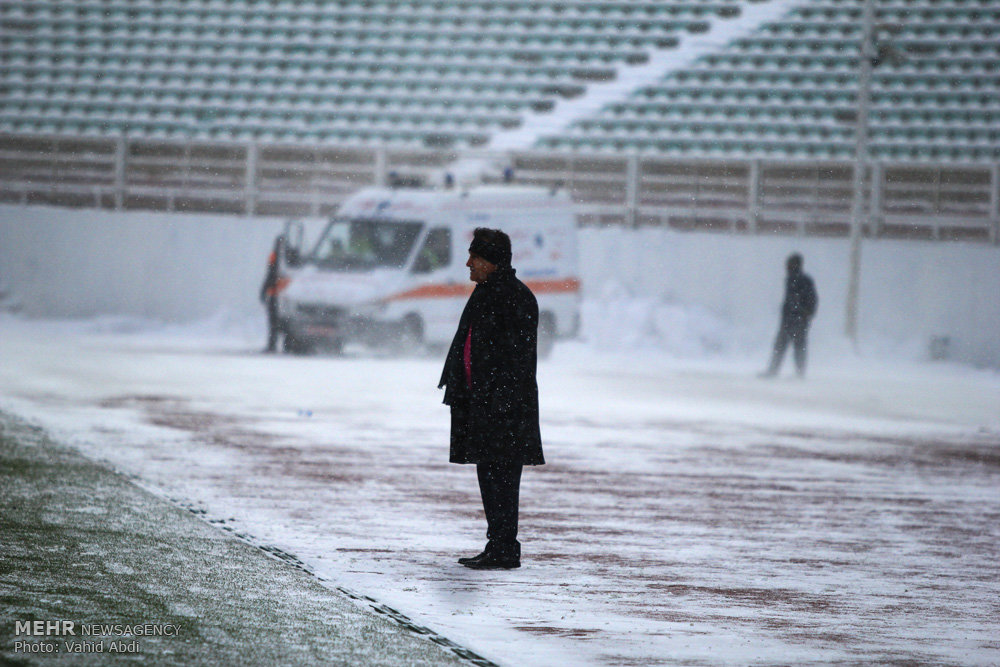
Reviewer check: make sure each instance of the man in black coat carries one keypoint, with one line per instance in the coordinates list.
(489, 381)
(797, 312)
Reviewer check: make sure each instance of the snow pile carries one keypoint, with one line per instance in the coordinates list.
(620, 321)
(225, 325)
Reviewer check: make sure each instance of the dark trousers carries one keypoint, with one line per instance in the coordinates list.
(794, 331)
(273, 327)
(499, 484)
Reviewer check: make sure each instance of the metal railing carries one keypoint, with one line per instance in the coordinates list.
(752, 196)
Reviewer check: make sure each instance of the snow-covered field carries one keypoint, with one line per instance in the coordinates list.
(690, 513)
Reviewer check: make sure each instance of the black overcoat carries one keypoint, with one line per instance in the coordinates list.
(801, 299)
(497, 419)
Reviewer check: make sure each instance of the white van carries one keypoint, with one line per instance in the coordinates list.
(389, 269)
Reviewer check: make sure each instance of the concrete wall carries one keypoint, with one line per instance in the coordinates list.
(176, 267)
(910, 291)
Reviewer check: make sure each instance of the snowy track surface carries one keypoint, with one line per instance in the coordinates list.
(690, 513)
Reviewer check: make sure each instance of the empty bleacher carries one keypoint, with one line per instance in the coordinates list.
(790, 90)
(284, 106)
(448, 73)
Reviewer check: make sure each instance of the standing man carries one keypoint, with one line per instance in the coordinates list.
(269, 293)
(489, 381)
(797, 312)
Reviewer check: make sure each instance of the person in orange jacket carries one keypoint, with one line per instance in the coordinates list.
(269, 293)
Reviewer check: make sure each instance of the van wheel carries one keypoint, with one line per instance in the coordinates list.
(293, 345)
(546, 334)
(410, 337)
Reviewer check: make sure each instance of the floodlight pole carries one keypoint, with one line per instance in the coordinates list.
(858, 217)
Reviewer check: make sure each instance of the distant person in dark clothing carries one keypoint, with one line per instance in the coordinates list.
(269, 293)
(797, 312)
(490, 385)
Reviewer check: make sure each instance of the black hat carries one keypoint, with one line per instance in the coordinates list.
(492, 245)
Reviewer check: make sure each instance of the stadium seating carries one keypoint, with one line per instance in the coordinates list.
(454, 73)
(935, 90)
(406, 72)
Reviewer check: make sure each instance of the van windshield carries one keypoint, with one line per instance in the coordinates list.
(361, 245)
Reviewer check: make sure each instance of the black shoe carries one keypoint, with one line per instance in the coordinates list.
(494, 562)
(472, 559)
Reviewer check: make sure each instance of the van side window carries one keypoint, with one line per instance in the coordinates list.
(436, 252)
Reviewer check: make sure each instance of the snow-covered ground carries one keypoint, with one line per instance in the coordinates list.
(690, 513)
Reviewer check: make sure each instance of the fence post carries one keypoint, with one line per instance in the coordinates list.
(876, 200)
(631, 191)
(858, 224)
(121, 155)
(250, 184)
(753, 196)
(995, 204)
(380, 166)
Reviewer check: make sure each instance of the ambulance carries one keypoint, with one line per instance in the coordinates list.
(389, 269)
